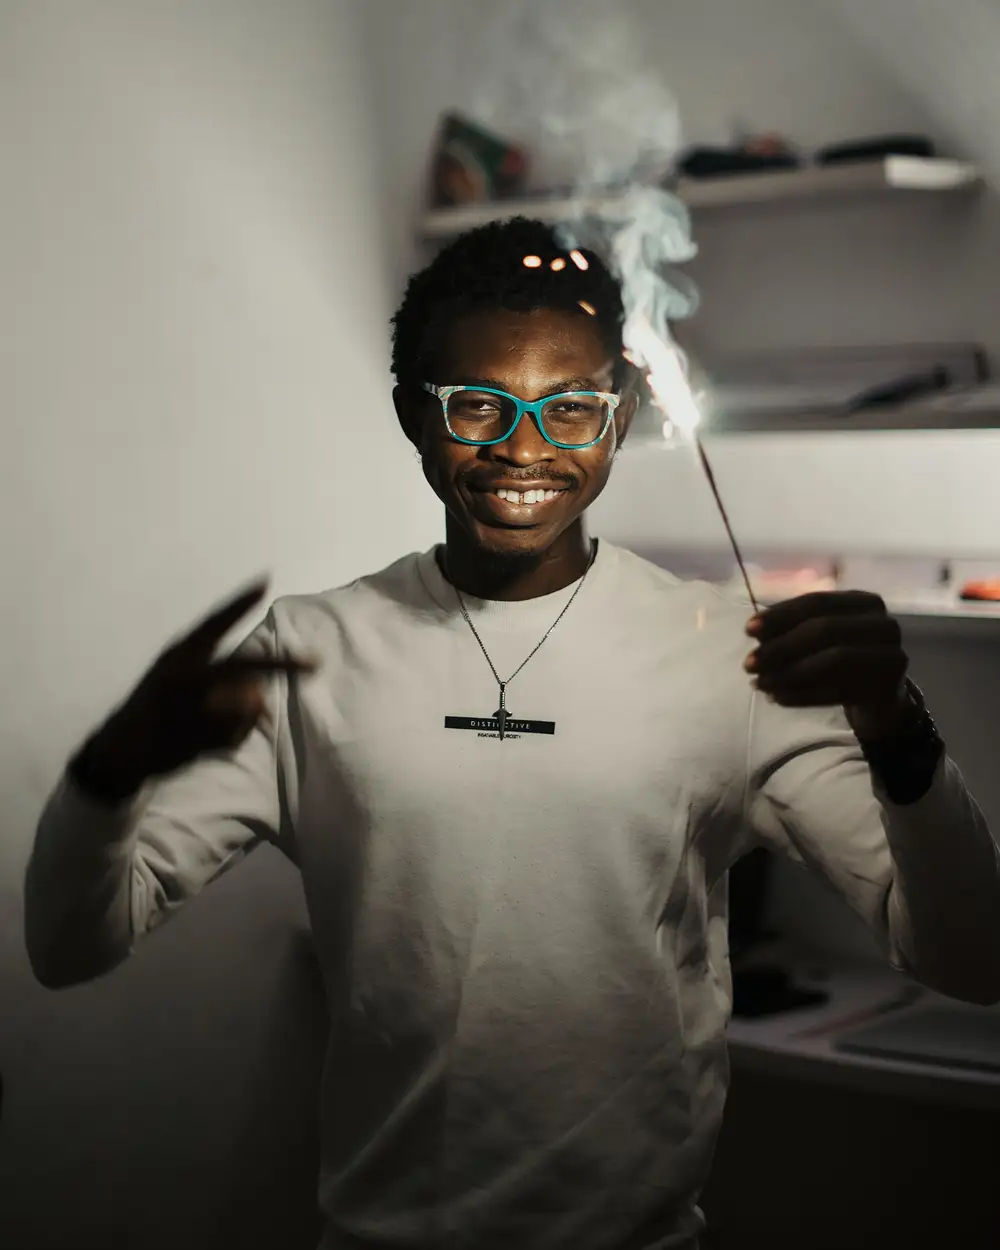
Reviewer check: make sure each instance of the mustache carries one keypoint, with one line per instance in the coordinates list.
(482, 481)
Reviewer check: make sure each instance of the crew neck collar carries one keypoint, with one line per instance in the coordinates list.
(507, 613)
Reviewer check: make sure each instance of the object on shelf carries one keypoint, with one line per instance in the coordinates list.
(875, 150)
(902, 391)
(840, 381)
(975, 582)
(753, 155)
(470, 165)
(982, 591)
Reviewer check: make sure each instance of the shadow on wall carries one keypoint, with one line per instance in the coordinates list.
(175, 1102)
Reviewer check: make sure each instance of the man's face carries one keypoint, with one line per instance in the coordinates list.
(530, 355)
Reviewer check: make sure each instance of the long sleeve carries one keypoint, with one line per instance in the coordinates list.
(100, 877)
(925, 876)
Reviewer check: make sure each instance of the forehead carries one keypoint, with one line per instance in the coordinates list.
(541, 345)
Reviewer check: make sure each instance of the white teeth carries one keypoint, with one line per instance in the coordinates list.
(529, 496)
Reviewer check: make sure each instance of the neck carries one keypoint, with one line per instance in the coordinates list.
(487, 576)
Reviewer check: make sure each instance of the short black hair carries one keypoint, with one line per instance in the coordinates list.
(484, 270)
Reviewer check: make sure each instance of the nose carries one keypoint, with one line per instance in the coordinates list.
(526, 446)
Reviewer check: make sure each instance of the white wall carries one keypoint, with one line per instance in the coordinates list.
(194, 389)
(946, 54)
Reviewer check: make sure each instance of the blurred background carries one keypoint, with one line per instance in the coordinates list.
(209, 209)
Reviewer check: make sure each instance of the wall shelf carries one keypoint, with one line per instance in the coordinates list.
(969, 621)
(973, 409)
(926, 609)
(890, 176)
(948, 618)
(966, 620)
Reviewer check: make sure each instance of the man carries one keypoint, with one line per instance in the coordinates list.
(514, 772)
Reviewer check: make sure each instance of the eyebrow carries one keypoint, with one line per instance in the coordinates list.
(561, 387)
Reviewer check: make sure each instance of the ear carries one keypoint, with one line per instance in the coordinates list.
(624, 415)
(407, 408)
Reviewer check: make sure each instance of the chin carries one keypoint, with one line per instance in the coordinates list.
(509, 542)
(520, 543)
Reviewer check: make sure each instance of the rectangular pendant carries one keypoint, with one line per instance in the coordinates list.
(491, 725)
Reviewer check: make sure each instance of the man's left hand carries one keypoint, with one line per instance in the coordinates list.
(839, 648)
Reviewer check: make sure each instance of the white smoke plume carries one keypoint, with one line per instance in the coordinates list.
(566, 78)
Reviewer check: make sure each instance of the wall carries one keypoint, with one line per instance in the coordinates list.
(194, 389)
(945, 54)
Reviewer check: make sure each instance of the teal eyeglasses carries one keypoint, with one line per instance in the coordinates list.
(481, 415)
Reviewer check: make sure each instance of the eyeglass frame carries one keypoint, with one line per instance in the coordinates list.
(444, 393)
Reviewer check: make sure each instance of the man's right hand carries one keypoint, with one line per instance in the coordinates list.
(187, 705)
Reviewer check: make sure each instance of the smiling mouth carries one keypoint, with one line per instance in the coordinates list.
(506, 505)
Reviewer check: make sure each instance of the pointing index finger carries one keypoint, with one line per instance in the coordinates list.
(206, 635)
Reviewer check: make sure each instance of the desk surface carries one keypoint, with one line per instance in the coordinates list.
(800, 1044)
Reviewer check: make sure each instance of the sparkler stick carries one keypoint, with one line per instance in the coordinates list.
(673, 395)
(700, 449)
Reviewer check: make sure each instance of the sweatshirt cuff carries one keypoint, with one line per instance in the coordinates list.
(946, 810)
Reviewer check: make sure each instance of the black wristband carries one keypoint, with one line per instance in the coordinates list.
(904, 765)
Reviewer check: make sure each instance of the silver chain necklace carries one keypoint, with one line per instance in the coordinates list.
(502, 715)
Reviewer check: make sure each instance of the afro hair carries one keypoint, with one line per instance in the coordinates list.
(485, 270)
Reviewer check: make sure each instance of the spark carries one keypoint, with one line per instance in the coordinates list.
(666, 375)
(589, 309)
(578, 259)
(532, 262)
(559, 264)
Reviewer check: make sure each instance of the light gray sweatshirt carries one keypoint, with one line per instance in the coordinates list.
(524, 942)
